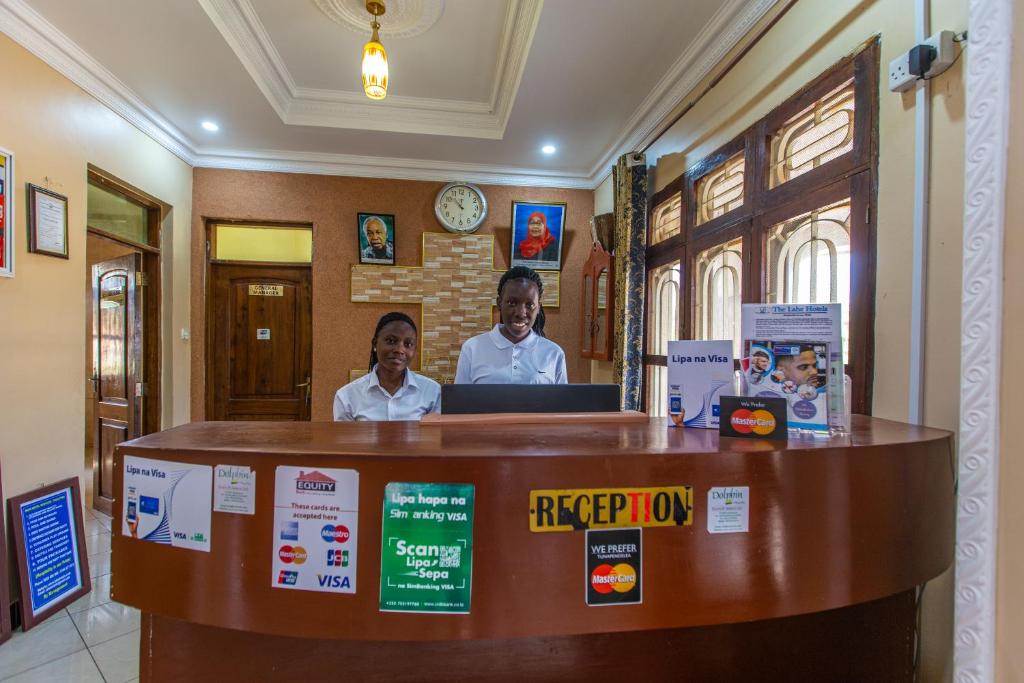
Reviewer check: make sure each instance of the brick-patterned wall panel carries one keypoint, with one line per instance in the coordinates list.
(455, 287)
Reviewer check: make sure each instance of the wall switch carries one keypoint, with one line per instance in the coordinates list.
(900, 78)
(184, 334)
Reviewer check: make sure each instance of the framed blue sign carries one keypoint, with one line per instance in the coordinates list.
(49, 544)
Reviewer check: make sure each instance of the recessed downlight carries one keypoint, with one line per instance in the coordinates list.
(549, 149)
(210, 126)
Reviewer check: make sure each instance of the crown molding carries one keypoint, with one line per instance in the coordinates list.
(387, 167)
(986, 140)
(33, 32)
(239, 24)
(733, 20)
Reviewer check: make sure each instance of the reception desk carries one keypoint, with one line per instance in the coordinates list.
(822, 585)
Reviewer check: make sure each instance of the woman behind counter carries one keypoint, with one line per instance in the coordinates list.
(390, 390)
(515, 351)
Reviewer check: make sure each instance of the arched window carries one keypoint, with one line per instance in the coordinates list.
(719, 275)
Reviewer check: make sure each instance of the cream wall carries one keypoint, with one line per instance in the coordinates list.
(805, 42)
(1010, 561)
(54, 130)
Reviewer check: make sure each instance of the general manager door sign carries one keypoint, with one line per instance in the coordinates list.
(426, 558)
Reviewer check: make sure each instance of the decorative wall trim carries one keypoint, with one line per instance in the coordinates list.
(733, 20)
(380, 167)
(32, 31)
(986, 140)
(240, 25)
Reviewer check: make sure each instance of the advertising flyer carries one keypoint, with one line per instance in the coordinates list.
(728, 511)
(234, 489)
(614, 567)
(167, 502)
(426, 558)
(807, 322)
(316, 524)
(698, 373)
(795, 371)
(51, 548)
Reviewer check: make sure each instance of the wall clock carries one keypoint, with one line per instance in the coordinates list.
(460, 208)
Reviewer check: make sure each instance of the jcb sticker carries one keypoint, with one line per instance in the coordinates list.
(575, 509)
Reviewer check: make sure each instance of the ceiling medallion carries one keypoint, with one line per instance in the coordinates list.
(406, 18)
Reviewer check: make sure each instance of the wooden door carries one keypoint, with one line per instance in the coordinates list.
(117, 346)
(261, 342)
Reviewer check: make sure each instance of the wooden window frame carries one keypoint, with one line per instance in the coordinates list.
(853, 175)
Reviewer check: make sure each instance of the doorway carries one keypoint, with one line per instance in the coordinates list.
(122, 388)
(259, 351)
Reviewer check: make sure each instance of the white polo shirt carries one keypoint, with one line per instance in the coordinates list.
(490, 358)
(366, 399)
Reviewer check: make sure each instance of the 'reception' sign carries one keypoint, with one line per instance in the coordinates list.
(426, 558)
(577, 509)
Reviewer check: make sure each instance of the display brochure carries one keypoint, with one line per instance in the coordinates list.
(316, 529)
(750, 417)
(809, 323)
(698, 373)
(796, 371)
(426, 556)
(167, 502)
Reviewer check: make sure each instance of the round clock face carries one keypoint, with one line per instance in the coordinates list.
(460, 207)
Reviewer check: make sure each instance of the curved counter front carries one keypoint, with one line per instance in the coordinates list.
(841, 531)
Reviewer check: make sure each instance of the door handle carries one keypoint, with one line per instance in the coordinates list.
(309, 389)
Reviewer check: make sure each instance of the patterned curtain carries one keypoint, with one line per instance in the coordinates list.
(629, 177)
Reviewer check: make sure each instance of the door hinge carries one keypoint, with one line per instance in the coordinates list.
(140, 388)
(141, 279)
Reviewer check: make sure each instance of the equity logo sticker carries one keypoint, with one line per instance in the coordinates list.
(757, 421)
(605, 578)
(289, 554)
(314, 482)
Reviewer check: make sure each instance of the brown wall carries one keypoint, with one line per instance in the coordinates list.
(341, 329)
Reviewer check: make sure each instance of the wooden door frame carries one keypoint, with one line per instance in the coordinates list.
(209, 242)
(150, 419)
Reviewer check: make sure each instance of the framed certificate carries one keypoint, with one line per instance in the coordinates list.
(47, 222)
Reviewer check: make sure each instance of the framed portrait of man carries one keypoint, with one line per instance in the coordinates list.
(376, 238)
(537, 231)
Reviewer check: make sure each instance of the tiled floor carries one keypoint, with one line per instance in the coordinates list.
(94, 639)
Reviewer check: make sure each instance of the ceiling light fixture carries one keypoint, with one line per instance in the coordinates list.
(210, 126)
(549, 149)
(375, 59)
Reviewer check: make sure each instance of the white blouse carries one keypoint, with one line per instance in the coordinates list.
(366, 399)
(490, 358)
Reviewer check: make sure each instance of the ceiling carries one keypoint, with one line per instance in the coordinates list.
(476, 86)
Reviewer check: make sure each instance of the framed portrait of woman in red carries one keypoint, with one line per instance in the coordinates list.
(537, 231)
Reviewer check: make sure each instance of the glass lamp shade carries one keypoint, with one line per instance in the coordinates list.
(375, 70)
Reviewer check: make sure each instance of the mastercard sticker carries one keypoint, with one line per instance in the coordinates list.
(614, 567)
(753, 417)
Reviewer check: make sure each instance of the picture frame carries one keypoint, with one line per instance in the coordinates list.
(49, 519)
(6, 213)
(47, 222)
(5, 598)
(375, 235)
(537, 232)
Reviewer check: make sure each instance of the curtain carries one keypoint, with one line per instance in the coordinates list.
(629, 178)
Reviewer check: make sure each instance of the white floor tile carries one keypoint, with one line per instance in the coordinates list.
(76, 668)
(100, 595)
(94, 526)
(118, 659)
(98, 543)
(105, 520)
(55, 638)
(99, 564)
(106, 622)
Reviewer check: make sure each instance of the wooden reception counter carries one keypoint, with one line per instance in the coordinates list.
(841, 531)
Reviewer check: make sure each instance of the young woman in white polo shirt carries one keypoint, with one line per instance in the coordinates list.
(390, 391)
(515, 351)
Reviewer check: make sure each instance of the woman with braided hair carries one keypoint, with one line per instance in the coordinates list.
(390, 390)
(515, 351)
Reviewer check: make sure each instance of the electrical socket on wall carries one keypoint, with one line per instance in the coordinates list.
(943, 54)
(900, 78)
